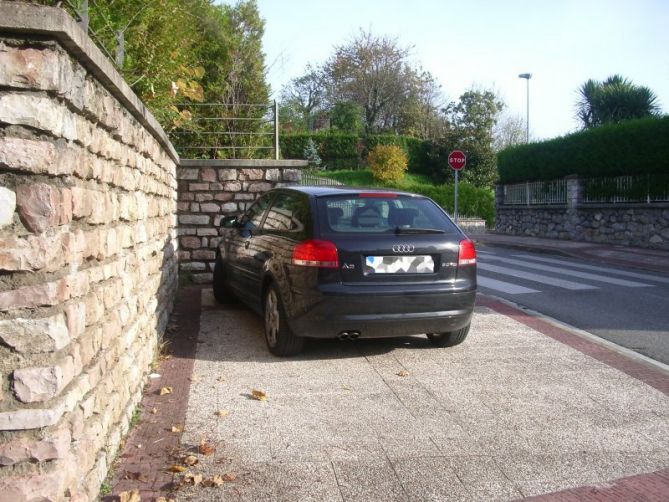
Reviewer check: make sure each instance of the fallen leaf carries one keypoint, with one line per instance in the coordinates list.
(165, 390)
(190, 460)
(220, 379)
(163, 499)
(345, 387)
(177, 428)
(213, 482)
(206, 448)
(403, 373)
(135, 476)
(259, 395)
(230, 476)
(154, 410)
(177, 468)
(132, 496)
(222, 413)
(194, 479)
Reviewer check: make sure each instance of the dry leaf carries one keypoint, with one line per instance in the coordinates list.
(154, 410)
(163, 499)
(212, 482)
(177, 428)
(132, 496)
(190, 460)
(230, 476)
(177, 468)
(165, 390)
(220, 379)
(206, 448)
(258, 395)
(194, 479)
(403, 373)
(135, 476)
(222, 413)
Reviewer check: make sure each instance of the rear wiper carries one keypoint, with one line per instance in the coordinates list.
(413, 230)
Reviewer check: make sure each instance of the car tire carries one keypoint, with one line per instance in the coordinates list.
(450, 338)
(281, 341)
(221, 291)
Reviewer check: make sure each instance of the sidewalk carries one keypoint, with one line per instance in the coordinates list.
(523, 408)
(654, 260)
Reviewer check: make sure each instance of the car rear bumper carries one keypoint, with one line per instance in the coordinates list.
(384, 314)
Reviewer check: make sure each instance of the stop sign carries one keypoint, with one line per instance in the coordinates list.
(457, 160)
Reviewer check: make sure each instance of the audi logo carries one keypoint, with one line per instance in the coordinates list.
(403, 248)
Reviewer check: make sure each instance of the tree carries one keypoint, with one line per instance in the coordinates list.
(346, 116)
(374, 72)
(613, 100)
(510, 130)
(305, 95)
(472, 119)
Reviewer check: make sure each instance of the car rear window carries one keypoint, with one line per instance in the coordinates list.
(382, 214)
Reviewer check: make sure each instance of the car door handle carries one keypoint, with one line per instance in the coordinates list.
(247, 244)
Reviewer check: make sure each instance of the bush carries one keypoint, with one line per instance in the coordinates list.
(310, 154)
(388, 162)
(627, 148)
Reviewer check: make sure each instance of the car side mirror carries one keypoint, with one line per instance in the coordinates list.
(229, 221)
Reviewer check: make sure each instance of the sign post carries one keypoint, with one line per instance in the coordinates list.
(456, 160)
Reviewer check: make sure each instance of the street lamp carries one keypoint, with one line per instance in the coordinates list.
(527, 76)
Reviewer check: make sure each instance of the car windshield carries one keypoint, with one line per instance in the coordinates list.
(382, 213)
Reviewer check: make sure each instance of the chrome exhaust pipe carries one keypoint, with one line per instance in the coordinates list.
(343, 335)
(353, 335)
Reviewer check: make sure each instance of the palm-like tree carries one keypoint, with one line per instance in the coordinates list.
(613, 100)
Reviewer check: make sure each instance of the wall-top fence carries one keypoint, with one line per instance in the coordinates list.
(536, 192)
(227, 131)
(647, 188)
(643, 189)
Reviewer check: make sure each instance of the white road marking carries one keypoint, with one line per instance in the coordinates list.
(624, 273)
(504, 287)
(544, 279)
(575, 273)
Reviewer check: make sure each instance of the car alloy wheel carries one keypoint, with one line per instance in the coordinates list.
(272, 317)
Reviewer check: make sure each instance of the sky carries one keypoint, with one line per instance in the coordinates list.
(487, 44)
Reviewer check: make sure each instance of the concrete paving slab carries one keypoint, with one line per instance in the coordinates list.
(509, 413)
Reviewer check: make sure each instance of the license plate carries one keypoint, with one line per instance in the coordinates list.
(421, 264)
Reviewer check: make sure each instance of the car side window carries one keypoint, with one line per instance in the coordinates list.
(253, 216)
(289, 213)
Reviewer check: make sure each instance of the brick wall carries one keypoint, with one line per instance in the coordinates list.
(87, 255)
(209, 189)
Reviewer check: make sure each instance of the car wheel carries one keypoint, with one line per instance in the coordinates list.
(221, 291)
(281, 341)
(450, 338)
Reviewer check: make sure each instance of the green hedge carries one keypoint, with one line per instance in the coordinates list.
(632, 147)
(353, 148)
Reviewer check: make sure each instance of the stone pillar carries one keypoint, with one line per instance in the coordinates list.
(574, 197)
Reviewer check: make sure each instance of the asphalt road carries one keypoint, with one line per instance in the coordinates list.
(626, 306)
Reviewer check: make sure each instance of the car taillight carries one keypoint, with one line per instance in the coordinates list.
(316, 253)
(466, 253)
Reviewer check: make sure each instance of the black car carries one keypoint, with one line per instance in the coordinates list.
(328, 262)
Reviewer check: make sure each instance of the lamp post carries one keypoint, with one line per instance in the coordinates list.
(527, 76)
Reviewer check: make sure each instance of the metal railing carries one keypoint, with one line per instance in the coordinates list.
(222, 131)
(647, 188)
(536, 192)
(312, 179)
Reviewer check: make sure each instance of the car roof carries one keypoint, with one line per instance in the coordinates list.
(327, 190)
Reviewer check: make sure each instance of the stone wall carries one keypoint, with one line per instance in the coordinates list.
(209, 189)
(642, 225)
(87, 255)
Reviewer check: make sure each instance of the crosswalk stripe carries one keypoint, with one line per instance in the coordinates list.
(624, 273)
(504, 287)
(544, 279)
(575, 273)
